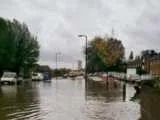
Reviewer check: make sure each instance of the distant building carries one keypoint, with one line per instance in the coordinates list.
(147, 64)
(131, 71)
(147, 56)
(79, 64)
(155, 66)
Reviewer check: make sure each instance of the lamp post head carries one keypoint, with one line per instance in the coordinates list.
(82, 35)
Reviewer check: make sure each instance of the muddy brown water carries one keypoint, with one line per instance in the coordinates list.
(66, 99)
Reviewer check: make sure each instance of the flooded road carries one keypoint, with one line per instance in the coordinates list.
(68, 100)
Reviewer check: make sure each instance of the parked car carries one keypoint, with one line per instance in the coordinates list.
(46, 76)
(9, 78)
(65, 75)
(37, 77)
(104, 76)
(134, 77)
(147, 77)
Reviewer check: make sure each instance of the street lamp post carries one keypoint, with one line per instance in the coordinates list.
(86, 40)
(57, 53)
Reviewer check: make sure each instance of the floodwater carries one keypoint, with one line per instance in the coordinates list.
(66, 99)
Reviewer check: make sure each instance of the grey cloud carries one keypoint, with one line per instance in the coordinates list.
(145, 32)
(58, 22)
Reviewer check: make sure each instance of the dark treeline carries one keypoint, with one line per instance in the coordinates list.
(19, 49)
(60, 72)
(50, 71)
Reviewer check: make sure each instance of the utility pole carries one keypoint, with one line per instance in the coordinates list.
(113, 33)
(57, 53)
(86, 40)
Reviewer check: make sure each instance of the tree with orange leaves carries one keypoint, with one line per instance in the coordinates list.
(104, 53)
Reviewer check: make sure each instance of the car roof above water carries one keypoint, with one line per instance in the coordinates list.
(9, 73)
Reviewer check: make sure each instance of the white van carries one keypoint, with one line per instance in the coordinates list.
(9, 77)
(37, 77)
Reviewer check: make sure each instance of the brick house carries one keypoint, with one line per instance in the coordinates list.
(149, 64)
(155, 66)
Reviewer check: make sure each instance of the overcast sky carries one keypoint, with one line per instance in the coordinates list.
(58, 22)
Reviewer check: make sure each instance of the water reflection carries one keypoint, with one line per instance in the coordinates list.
(67, 99)
(150, 104)
(19, 102)
(105, 93)
(111, 102)
(124, 91)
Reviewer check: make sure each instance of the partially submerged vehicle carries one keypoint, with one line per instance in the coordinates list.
(46, 76)
(37, 77)
(10, 78)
